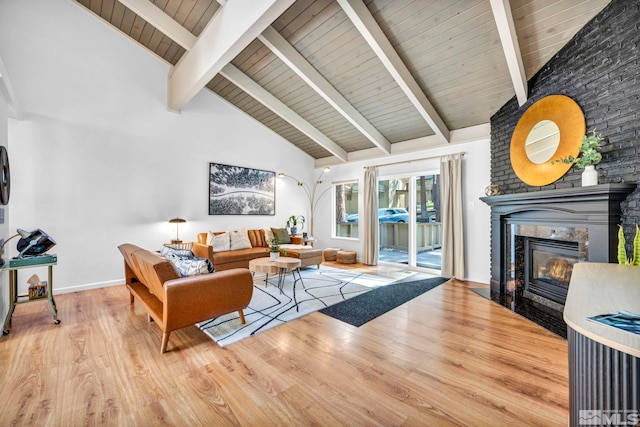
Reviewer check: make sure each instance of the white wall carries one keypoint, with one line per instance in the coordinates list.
(98, 161)
(476, 176)
(5, 231)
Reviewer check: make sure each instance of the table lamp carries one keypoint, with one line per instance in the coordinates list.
(177, 221)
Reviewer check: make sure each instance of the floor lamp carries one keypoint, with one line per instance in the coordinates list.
(311, 194)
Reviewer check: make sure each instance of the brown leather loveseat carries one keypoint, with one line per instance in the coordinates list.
(175, 302)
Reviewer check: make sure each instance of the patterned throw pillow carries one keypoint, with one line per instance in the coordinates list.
(186, 262)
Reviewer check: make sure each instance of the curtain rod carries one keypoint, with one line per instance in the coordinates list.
(461, 153)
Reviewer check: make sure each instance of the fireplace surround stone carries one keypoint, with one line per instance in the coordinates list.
(587, 216)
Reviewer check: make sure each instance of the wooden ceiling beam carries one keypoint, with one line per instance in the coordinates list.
(163, 22)
(294, 60)
(233, 28)
(509, 39)
(422, 146)
(359, 14)
(244, 82)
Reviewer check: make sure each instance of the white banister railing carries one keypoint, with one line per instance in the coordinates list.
(395, 235)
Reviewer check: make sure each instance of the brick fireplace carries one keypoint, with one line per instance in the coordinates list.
(536, 238)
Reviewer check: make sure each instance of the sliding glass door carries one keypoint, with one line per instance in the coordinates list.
(393, 220)
(409, 221)
(428, 232)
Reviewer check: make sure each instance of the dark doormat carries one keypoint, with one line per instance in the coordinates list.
(360, 309)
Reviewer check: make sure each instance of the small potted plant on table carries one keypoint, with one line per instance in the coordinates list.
(292, 223)
(274, 249)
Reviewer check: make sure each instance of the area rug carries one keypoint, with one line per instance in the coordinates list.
(268, 308)
(363, 308)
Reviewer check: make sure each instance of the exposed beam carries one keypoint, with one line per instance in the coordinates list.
(290, 56)
(358, 13)
(418, 146)
(509, 39)
(163, 22)
(236, 24)
(245, 83)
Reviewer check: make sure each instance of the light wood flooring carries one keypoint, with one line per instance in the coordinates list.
(448, 357)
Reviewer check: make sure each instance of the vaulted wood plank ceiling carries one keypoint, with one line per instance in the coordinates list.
(353, 79)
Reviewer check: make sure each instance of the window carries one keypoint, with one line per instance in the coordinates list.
(346, 210)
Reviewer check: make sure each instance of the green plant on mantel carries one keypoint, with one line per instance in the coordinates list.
(589, 154)
(622, 251)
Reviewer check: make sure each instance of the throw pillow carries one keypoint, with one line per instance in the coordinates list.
(166, 251)
(240, 240)
(268, 235)
(186, 262)
(281, 234)
(221, 242)
(210, 238)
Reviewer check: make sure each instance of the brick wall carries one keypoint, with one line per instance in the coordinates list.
(600, 70)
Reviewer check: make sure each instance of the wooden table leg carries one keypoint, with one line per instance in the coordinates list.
(52, 302)
(13, 298)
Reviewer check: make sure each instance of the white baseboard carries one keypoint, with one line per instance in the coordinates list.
(479, 279)
(88, 286)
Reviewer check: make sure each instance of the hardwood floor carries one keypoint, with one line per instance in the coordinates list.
(448, 357)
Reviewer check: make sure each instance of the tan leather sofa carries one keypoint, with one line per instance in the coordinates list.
(240, 258)
(175, 302)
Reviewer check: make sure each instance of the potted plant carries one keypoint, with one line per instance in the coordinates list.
(587, 159)
(622, 250)
(274, 249)
(292, 223)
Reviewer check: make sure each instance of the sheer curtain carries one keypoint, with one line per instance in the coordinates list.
(452, 219)
(370, 217)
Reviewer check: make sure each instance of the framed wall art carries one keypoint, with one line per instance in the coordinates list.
(235, 190)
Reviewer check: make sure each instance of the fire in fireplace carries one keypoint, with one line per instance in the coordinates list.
(548, 267)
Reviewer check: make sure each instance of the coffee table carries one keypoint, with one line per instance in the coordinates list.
(281, 266)
(263, 265)
(285, 265)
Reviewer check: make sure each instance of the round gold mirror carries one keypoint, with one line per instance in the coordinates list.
(542, 141)
(551, 128)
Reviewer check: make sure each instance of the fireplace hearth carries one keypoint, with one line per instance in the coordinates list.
(537, 237)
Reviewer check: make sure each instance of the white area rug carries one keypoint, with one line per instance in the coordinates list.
(269, 308)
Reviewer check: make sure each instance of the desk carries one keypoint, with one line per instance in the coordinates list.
(12, 266)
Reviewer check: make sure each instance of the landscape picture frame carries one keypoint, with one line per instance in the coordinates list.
(238, 190)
